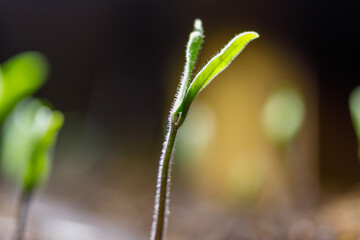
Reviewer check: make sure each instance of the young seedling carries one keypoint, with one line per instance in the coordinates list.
(187, 91)
(28, 137)
(354, 103)
(20, 77)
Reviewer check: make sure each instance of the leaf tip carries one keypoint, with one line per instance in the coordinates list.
(198, 26)
(36, 59)
(251, 35)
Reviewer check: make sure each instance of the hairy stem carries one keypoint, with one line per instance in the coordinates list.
(22, 213)
(163, 185)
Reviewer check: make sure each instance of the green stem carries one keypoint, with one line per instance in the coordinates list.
(23, 209)
(163, 185)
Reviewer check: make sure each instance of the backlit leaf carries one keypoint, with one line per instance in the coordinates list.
(216, 65)
(20, 76)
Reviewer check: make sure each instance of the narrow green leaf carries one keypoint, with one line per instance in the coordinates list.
(29, 134)
(354, 104)
(193, 47)
(216, 65)
(192, 50)
(21, 76)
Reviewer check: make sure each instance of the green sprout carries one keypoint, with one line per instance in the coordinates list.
(283, 115)
(20, 77)
(354, 103)
(28, 137)
(187, 91)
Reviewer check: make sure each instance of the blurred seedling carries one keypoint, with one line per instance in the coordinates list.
(354, 103)
(187, 91)
(29, 131)
(20, 77)
(28, 138)
(282, 118)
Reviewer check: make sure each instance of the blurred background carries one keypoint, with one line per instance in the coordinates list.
(115, 66)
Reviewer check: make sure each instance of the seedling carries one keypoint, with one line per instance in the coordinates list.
(187, 91)
(29, 130)
(20, 77)
(28, 137)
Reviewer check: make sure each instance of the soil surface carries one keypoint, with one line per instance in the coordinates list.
(112, 205)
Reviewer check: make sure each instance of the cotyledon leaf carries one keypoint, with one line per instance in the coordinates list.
(192, 49)
(216, 65)
(21, 76)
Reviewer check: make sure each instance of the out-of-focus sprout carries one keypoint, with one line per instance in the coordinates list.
(20, 76)
(354, 103)
(283, 115)
(186, 94)
(28, 137)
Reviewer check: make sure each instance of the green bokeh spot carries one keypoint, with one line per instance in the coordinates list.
(283, 115)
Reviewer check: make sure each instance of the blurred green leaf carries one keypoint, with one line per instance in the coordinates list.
(20, 76)
(283, 115)
(354, 103)
(216, 65)
(28, 137)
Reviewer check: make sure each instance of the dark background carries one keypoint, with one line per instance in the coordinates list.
(109, 60)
